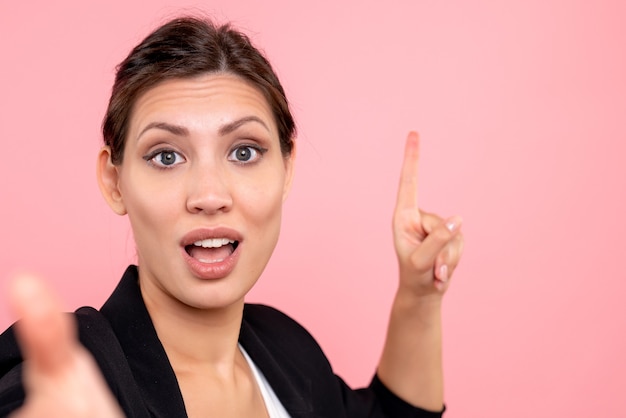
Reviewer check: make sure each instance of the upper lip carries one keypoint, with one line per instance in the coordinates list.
(208, 233)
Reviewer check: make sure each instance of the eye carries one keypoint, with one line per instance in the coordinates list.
(246, 154)
(164, 158)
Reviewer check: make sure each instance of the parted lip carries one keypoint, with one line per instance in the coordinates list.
(218, 269)
(210, 233)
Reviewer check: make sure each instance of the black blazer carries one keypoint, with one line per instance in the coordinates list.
(124, 343)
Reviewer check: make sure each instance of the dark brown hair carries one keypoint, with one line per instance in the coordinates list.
(183, 48)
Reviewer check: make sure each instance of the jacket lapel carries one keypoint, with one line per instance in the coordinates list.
(146, 357)
(129, 318)
(290, 385)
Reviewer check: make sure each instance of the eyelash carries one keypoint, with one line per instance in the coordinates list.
(151, 156)
(260, 151)
(257, 149)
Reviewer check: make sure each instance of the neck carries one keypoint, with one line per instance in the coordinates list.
(192, 336)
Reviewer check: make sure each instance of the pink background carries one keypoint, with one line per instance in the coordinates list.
(521, 106)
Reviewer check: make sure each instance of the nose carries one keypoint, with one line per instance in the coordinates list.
(209, 190)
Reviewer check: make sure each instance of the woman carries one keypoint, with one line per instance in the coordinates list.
(199, 154)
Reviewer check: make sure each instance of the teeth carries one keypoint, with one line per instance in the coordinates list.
(213, 242)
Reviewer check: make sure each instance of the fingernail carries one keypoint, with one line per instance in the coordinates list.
(453, 223)
(443, 273)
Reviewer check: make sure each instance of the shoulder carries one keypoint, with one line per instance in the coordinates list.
(89, 323)
(259, 314)
(11, 389)
(270, 322)
(96, 334)
(92, 327)
(10, 354)
(283, 336)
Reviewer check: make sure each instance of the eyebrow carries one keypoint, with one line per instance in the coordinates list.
(232, 126)
(223, 130)
(174, 129)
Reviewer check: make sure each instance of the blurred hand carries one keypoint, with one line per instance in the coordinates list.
(61, 378)
(428, 247)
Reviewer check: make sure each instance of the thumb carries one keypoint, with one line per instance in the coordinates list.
(46, 336)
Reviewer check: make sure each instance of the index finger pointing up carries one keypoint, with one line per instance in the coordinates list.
(407, 191)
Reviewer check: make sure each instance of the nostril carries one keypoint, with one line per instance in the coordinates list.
(209, 203)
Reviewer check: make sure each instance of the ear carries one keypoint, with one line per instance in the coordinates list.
(289, 169)
(108, 181)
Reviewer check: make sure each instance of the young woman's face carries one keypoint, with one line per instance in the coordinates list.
(203, 181)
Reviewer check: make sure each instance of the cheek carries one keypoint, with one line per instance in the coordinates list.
(150, 204)
(262, 202)
(262, 213)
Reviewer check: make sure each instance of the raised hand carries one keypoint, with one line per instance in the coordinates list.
(428, 247)
(61, 378)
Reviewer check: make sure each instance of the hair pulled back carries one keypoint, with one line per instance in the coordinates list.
(183, 48)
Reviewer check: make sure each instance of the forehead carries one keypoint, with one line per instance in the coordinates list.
(208, 98)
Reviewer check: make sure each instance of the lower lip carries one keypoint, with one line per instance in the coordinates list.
(212, 271)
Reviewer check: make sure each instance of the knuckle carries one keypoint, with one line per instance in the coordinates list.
(442, 234)
(458, 245)
(420, 263)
